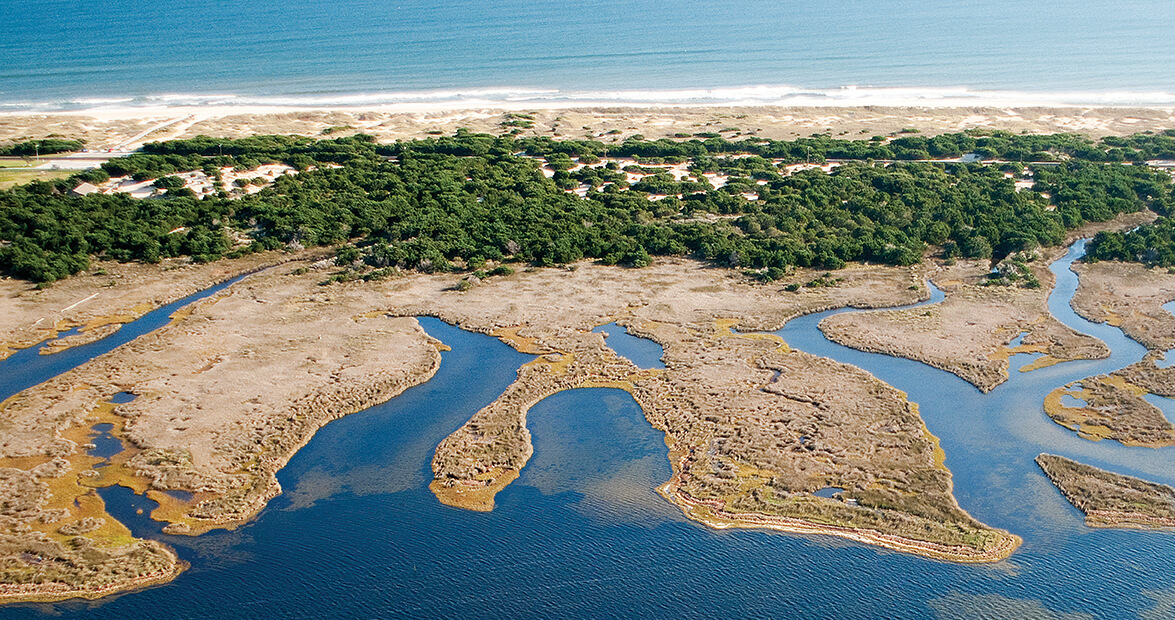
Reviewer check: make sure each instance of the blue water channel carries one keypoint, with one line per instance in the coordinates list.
(28, 367)
(357, 534)
(640, 351)
(1169, 358)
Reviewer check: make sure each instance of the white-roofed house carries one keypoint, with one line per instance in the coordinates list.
(84, 189)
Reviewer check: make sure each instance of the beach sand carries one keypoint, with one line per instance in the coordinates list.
(127, 128)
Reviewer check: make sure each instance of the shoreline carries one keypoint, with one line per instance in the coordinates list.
(508, 97)
(1116, 519)
(234, 109)
(1107, 499)
(712, 514)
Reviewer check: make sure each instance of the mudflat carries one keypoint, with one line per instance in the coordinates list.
(111, 294)
(1129, 296)
(754, 428)
(204, 421)
(970, 331)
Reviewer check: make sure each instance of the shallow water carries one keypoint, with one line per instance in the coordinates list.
(106, 445)
(122, 398)
(1166, 405)
(581, 532)
(640, 351)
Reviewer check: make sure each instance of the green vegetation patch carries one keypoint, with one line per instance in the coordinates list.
(1149, 244)
(48, 146)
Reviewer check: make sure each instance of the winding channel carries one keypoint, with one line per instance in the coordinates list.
(582, 533)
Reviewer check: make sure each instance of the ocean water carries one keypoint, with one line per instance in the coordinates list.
(77, 54)
(357, 534)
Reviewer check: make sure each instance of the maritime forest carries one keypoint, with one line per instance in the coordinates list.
(456, 203)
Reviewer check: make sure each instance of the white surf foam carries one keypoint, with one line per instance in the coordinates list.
(753, 95)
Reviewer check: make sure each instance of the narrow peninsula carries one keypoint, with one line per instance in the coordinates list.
(1109, 499)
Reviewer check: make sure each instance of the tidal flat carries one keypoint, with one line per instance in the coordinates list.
(348, 346)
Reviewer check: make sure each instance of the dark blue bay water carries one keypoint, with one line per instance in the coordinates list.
(581, 533)
(71, 54)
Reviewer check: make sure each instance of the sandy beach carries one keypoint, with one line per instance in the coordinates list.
(127, 128)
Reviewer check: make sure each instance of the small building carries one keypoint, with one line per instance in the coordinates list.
(85, 189)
